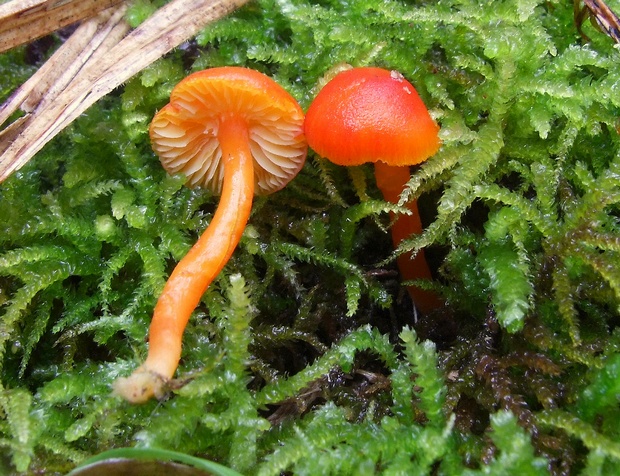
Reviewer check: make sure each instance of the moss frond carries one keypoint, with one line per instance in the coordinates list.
(395, 444)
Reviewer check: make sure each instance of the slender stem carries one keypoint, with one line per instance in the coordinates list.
(391, 180)
(195, 272)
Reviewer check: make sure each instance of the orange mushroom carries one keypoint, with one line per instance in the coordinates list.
(375, 115)
(236, 132)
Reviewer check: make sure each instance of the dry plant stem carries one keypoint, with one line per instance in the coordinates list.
(195, 272)
(93, 38)
(22, 21)
(391, 180)
(163, 31)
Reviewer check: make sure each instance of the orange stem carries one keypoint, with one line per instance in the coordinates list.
(391, 180)
(195, 272)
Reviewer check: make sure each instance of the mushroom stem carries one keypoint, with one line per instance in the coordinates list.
(195, 272)
(391, 181)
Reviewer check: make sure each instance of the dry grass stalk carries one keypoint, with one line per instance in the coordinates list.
(96, 59)
(22, 21)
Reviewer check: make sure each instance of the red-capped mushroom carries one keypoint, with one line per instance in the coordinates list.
(237, 132)
(375, 115)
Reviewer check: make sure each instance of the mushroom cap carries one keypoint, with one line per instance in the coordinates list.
(184, 133)
(370, 114)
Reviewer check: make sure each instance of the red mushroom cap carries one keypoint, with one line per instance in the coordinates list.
(370, 114)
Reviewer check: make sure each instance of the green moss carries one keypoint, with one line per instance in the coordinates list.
(302, 356)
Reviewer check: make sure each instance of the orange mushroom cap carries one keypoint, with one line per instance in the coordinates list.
(184, 134)
(368, 115)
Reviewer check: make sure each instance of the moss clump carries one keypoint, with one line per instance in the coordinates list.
(303, 357)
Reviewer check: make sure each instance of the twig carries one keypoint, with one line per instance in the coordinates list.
(600, 15)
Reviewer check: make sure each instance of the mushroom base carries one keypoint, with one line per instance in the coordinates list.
(141, 386)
